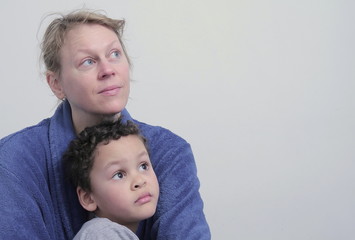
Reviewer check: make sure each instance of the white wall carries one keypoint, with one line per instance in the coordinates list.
(263, 90)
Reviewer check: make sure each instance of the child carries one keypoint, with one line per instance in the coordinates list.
(110, 167)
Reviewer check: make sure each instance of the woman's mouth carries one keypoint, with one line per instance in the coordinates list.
(110, 91)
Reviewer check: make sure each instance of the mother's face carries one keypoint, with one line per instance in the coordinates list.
(94, 74)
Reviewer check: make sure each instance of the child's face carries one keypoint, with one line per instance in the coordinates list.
(124, 185)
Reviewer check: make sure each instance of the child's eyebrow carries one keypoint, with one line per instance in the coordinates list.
(143, 153)
(117, 163)
(113, 164)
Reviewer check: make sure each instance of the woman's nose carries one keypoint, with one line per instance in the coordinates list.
(106, 70)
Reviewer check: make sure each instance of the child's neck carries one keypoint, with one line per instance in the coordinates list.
(132, 226)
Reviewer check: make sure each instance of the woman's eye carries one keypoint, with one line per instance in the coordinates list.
(88, 62)
(118, 175)
(144, 167)
(115, 54)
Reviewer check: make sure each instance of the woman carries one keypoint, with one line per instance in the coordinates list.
(88, 69)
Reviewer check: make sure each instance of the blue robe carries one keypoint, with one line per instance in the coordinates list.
(37, 202)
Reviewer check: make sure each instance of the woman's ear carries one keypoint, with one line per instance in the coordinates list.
(54, 84)
(86, 200)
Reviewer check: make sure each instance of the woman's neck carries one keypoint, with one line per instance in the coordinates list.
(81, 122)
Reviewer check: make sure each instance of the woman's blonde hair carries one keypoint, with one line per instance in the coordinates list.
(56, 31)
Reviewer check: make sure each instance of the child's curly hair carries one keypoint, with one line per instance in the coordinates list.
(79, 157)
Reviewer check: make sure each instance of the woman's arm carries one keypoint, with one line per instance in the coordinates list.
(180, 208)
(23, 208)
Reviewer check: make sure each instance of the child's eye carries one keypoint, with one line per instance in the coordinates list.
(144, 167)
(118, 176)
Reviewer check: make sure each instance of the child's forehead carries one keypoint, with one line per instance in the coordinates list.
(120, 139)
(132, 145)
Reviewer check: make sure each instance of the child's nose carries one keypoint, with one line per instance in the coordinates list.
(139, 182)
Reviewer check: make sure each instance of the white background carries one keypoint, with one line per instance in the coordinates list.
(263, 90)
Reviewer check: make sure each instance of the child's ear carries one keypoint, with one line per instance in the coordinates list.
(86, 200)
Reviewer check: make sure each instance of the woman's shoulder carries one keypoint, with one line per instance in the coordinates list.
(160, 135)
(25, 150)
(26, 136)
(25, 147)
(166, 147)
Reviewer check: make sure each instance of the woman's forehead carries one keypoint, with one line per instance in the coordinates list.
(89, 36)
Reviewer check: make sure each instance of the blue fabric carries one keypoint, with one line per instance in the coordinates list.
(36, 201)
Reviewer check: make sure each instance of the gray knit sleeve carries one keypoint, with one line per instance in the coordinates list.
(103, 228)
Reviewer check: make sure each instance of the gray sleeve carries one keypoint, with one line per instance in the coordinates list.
(102, 228)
